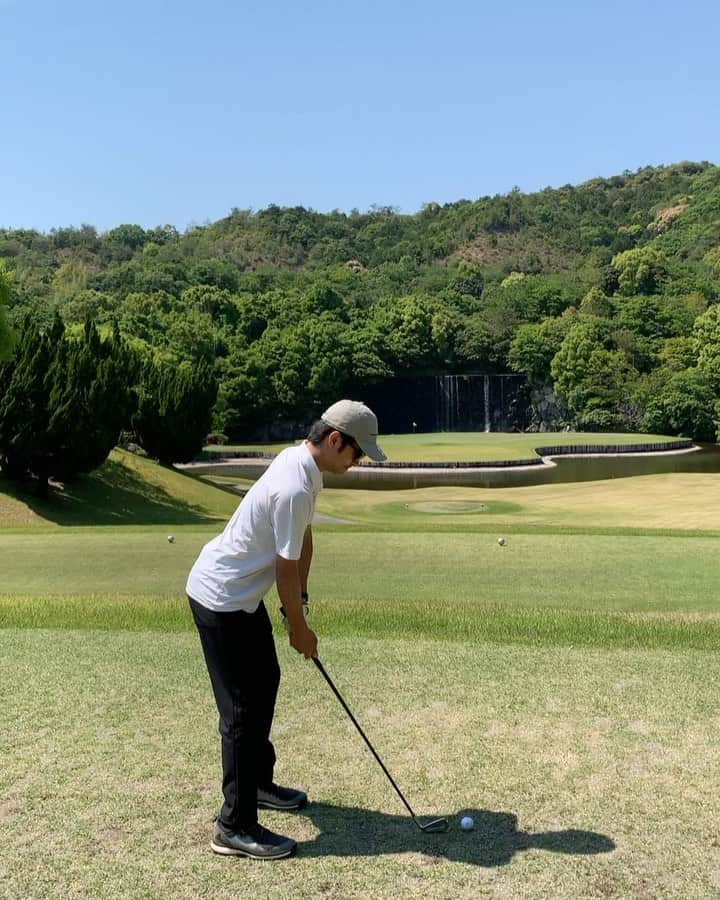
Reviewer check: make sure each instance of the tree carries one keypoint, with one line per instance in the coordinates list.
(651, 317)
(469, 281)
(407, 323)
(608, 388)
(174, 412)
(91, 399)
(596, 303)
(520, 299)
(213, 301)
(7, 337)
(69, 279)
(706, 333)
(571, 364)
(123, 241)
(63, 402)
(87, 304)
(24, 444)
(192, 336)
(678, 353)
(712, 260)
(685, 406)
(594, 379)
(642, 270)
(535, 345)
(475, 347)
(367, 363)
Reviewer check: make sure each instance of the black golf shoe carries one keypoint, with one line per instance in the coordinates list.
(256, 842)
(275, 797)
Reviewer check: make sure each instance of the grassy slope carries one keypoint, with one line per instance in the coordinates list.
(126, 490)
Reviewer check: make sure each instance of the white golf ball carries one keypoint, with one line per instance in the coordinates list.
(171, 539)
(466, 823)
(501, 541)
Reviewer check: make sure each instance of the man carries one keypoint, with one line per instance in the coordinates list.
(268, 539)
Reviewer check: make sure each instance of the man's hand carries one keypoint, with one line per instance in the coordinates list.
(304, 640)
(287, 579)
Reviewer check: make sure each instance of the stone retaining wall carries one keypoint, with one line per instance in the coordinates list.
(658, 446)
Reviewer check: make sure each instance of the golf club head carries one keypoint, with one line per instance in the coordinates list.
(435, 826)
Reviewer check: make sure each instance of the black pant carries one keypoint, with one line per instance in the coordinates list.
(240, 655)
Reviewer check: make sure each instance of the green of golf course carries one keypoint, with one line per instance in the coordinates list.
(469, 446)
(560, 688)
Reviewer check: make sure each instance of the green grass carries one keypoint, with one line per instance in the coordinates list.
(472, 446)
(626, 562)
(126, 490)
(588, 773)
(677, 502)
(561, 689)
(449, 621)
(537, 589)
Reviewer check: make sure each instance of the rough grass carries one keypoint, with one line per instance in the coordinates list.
(588, 774)
(448, 620)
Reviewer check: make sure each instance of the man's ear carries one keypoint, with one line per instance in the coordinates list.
(334, 440)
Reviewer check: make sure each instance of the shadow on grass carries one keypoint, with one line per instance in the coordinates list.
(111, 495)
(350, 831)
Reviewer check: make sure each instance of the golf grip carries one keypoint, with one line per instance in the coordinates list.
(362, 733)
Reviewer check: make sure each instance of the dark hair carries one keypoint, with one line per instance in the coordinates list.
(319, 430)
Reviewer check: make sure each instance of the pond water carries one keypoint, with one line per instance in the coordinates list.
(566, 469)
(594, 468)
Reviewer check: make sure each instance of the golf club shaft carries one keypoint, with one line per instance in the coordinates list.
(362, 734)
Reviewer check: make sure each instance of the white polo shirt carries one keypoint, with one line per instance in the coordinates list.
(237, 568)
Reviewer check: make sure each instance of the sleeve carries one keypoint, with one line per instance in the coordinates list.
(291, 515)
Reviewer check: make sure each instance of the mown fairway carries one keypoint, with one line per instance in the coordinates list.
(561, 689)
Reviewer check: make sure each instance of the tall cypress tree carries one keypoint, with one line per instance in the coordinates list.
(175, 410)
(24, 446)
(63, 402)
(91, 399)
(7, 337)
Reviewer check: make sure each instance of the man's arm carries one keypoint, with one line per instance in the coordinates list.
(288, 581)
(306, 559)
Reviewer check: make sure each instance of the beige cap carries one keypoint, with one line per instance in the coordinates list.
(359, 422)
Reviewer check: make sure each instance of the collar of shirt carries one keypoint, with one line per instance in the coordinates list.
(311, 468)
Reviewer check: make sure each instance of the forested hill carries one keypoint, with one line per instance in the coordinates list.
(293, 307)
(566, 229)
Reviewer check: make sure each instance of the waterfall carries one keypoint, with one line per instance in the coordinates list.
(456, 404)
(447, 402)
(472, 402)
(486, 397)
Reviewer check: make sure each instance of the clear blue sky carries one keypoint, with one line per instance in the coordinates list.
(175, 112)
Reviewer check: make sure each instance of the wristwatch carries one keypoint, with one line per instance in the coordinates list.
(305, 607)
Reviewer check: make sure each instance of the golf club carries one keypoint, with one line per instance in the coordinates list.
(435, 825)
